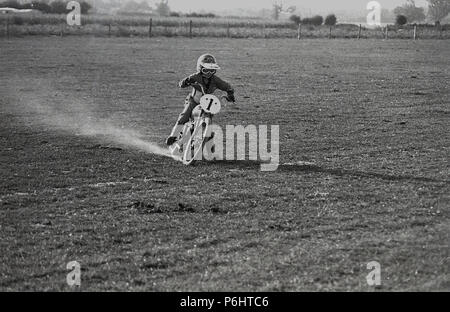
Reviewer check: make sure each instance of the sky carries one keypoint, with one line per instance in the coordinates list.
(313, 5)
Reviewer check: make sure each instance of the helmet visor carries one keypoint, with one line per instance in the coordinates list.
(210, 65)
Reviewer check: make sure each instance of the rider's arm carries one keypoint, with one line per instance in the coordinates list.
(186, 82)
(225, 86)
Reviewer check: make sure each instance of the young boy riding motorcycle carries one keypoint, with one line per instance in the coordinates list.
(206, 76)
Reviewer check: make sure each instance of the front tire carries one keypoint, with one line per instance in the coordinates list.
(194, 147)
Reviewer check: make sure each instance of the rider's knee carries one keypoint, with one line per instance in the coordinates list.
(184, 118)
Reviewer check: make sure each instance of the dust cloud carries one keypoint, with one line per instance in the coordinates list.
(36, 101)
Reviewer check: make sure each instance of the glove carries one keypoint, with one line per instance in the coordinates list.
(230, 97)
(186, 83)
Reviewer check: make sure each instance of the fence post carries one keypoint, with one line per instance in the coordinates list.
(62, 30)
(386, 33)
(299, 31)
(150, 26)
(359, 33)
(415, 32)
(330, 32)
(228, 30)
(190, 29)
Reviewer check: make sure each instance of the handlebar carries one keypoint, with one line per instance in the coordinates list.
(203, 89)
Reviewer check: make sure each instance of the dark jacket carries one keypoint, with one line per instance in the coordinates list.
(210, 85)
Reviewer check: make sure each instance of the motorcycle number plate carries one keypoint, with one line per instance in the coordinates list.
(210, 104)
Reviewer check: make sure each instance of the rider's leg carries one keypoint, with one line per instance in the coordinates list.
(189, 105)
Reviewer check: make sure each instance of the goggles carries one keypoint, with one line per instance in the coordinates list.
(207, 71)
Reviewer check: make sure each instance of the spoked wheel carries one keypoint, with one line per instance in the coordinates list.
(196, 142)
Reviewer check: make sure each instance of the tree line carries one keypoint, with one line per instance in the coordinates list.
(317, 20)
(407, 13)
(410, 12)
(54, 7)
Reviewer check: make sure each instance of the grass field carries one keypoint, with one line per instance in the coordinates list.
(364, 173)
(220, 27)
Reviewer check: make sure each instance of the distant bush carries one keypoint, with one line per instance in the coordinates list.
(411, 11)
(85, 7)
(175, 14)
(58, 7)
(348, 27)
(315, 20)
(202, 15)
(296, 19)
(41, 6)
(27, 6)
(401, 20)
(331, 20)
(11, 4)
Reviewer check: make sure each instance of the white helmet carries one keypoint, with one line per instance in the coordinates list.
(207, 61)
